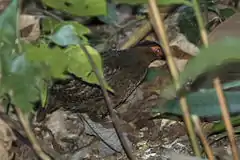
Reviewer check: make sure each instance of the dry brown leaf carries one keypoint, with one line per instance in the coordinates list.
(181, 43)
(29, 27)
(6, 139)
(229, 28)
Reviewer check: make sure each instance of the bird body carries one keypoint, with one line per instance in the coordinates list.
(123, 71)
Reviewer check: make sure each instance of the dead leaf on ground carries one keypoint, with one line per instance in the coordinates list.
(6, 139)
(176, 156)
(108, 135)
(181, 43)
(29, 27)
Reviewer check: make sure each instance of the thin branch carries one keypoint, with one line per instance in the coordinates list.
(217, 85)
(109, 104)
(226, 117)
(199, 131)
(25, 123)
(160, 30)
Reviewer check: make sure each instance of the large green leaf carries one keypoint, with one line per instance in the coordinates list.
(72, 59)
(217, 54)
(68, 34)
(208, 60)
(79, 29)
(220, 126)
(111, 17)
(65, 36)
(80, 66)
(18, 76)
(55, 60)
(79, 7)
(52, 25)
(78, 63)
(49, 24)
(162, 2)
(203, 104)
(19, 80)
(8, 27)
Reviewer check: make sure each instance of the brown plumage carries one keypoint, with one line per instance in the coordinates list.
(123, 70)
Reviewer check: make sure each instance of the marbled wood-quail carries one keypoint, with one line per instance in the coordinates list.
(123, 70)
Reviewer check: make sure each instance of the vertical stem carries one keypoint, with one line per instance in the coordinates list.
(217, 85)
(202, 29)
(25, 123)
(198, 129)
(161, 33)
(226, 117)
(113, 115)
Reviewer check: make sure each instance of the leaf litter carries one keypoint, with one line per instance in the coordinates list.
(70, 136)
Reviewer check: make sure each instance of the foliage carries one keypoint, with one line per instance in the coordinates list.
(41, 63)
(79, 8)
(26, 75)
(18, 76)
(162, 2)
(111, 17)
(205, 103)
(70, 59)
(67, 35)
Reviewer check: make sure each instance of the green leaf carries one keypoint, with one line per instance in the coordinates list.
(72, 59)
(209, 59)
(220, 126)
(225, 86)
(203, 104)
(52, 25)
(201, 94)
(18, 80)
(188, 25)
(9, 27)
(162, 2)
(79, 7)
(227, 12)
(111, 17)
(43, 89)
(81, 67)
(68, 35)
(49, 24)
(55, 60)
(79, 29)
(18, 76)
(232, 84)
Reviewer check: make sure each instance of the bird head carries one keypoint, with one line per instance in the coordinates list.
(150, 51)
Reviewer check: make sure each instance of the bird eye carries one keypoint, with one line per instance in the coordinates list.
(157, 50)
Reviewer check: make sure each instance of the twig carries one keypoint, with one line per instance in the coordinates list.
(226, 117)
(199, 131)
(137, 35)
(160, 30)
(25, 123)
(109, 104)
(217, 86)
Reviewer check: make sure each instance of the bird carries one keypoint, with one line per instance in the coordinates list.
(123, 70)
